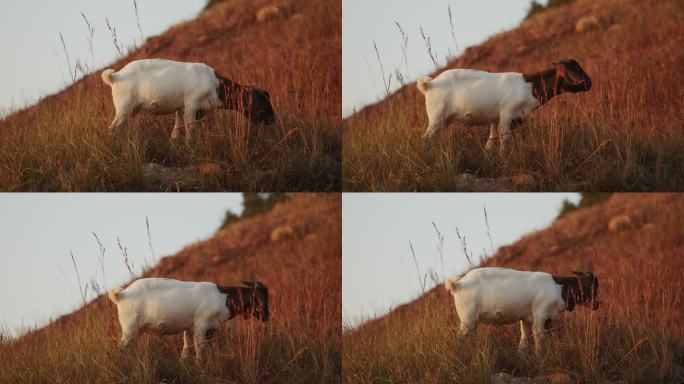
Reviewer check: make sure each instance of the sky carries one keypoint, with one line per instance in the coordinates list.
(365, 22)
(39, 232)
(378, 270)
(34, 63)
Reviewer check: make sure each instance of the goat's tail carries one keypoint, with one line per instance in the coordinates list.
(115, 294)
(423, 84)
(451, 284)
(107, 76)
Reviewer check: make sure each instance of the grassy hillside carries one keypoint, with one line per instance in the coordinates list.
(627, 133)
(63, 144)
(636, 335)
(299, 344)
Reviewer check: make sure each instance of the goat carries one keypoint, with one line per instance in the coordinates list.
(164, 86)
(167, 306)
(502, 296)
(479, 98)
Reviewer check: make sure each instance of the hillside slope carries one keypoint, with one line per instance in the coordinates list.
(635, 245)
(626, 133)
(62, 143)
(299, 344)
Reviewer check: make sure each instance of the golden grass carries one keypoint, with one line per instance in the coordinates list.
(626, 134)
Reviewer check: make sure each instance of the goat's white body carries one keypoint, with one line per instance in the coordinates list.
(166, 306)
(502, 296)
(162, 87)
(477, 98)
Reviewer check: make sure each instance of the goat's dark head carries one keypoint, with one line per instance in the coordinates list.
(250, 300)
(582, 289)
(258, 105)
(252, 101)
(258, 300)
(571, 77)
(588, 285)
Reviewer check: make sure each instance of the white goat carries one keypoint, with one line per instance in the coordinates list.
(480, 98)
(502, 296)
(163, 87)
(167, 306)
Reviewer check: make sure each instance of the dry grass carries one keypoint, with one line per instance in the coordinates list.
(636, 336)
(62, 144)
(627, 133)
(301, 343)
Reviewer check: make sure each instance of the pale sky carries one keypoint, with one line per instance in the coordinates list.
(33, 61)
(378, 271)
(39, 231)
(364, 22)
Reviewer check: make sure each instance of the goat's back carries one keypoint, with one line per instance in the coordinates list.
(502, 295)
(477, 97)
(170, 306)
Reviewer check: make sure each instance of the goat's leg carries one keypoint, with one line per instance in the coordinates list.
(465, 328)
(523, 335)
(129, 332)
(538, 333)
(127, 339)
(190, 122)
(177, 126)
(436, 122)
(123, 112)
(432, 131)
(504, 134)
(119, 120)
(199, 338)
(128, 335)
(493, 134)
(187, 344)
